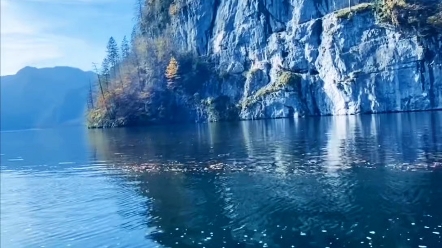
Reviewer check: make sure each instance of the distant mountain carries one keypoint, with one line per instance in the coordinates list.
(47, 97)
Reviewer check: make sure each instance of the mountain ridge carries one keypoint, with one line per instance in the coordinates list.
(44, 97)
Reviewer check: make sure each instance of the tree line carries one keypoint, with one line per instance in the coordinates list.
(144, 77)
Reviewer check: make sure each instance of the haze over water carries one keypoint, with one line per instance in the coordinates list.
(356, 181)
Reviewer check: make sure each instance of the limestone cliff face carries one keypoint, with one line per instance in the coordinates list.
(286, 58)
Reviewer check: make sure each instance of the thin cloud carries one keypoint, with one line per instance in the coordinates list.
(28, 40)
(23, 42)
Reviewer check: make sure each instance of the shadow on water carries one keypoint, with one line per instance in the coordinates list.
(352, 181)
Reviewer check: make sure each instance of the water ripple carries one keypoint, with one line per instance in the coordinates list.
(332, 182)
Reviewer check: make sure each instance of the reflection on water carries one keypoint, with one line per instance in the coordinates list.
(358, 181)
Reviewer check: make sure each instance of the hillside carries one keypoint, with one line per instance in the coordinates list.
(214, 60)
(48, 97)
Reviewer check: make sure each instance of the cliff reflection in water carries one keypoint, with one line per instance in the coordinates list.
(337, 182)
(330, 143)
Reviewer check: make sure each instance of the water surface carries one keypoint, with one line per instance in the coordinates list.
(358, 181)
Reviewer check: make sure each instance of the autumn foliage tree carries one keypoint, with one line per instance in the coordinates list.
(172, 74)
(139, 81)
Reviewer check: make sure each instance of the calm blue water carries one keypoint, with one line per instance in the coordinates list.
(359, 181)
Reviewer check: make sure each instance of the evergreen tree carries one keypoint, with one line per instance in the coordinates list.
(124, 48)
(136, 60)
(133, 36)
(112, 52)
(139, 16)
(105, 72)
(113, 57)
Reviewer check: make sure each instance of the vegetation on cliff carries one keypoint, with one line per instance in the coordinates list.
(424, 16)
(151, 79)
(148, 79)
(288, 81)
(420, 15)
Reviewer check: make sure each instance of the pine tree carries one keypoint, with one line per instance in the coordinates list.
(133, 38)
(124, 48)
(113, 57)
(138, 10)
(105, 72)
(112, 52)
(139, 16)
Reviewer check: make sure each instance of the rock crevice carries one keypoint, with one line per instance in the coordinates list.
(345, 66)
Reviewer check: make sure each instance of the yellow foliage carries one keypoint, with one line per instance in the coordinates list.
(391, 4)
(420, 14)
(285, 80)
(101, 103)
(140, 46)
(173, 9)
(172, 73)
(118, 91)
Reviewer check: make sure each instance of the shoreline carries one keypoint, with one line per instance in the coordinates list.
(266, 119)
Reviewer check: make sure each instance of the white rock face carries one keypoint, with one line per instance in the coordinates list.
(342, 66)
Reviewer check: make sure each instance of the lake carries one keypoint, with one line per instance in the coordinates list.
(356, 181)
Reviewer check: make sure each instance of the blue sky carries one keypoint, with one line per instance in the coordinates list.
(47, 33)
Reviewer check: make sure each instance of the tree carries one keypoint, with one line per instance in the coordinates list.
(139, 16)
(172, 74)
(133, 43)
(90, 100)
(105, 72)
(133, 36)
(112, 52)
(113, 57)
(100, 84)
(124, 48)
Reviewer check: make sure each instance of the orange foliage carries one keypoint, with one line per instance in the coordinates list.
(172, 73)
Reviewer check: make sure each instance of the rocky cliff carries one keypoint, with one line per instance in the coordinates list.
(288, 58)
